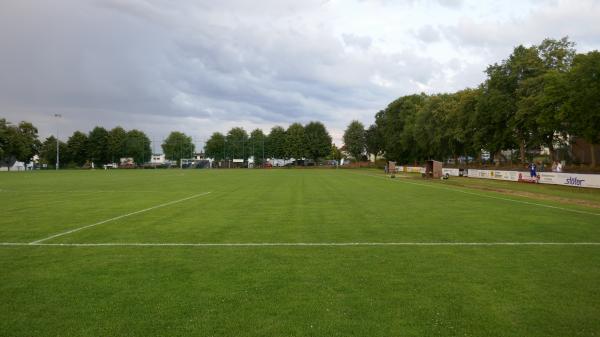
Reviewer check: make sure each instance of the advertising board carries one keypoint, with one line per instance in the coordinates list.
(567, 179)
(453, 172)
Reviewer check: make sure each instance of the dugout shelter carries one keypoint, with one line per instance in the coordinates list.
(433, 169)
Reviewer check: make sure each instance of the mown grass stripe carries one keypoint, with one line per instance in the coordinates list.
(298, 244)
(117, 218)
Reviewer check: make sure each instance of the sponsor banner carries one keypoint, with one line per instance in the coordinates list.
(568, 179)
(454, 172)
(496, 174)
(413, 169)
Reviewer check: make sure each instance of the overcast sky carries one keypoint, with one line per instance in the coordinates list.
(205, 66)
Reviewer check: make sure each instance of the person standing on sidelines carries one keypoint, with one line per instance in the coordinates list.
(532, 170)
(559, 167)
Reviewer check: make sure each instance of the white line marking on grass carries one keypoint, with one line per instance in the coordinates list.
(83, 191)
(483, 195)
(301, 244)
(118, 217)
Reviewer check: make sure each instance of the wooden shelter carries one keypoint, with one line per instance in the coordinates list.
(433, 169)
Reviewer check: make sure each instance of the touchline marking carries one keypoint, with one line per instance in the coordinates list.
(82, 191)
(485, 195)
(117, 218)
(300, 244)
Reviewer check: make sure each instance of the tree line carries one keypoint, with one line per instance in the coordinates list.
(17, 142)
(298, 141)
(545, 95)
(99, 146)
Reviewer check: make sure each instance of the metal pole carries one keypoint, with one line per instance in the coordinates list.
(57, 143)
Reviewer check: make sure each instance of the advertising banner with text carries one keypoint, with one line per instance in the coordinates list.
(567, 179)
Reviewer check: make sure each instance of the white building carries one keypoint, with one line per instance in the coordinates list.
(17, 166)
(157, 159)
(276, 162)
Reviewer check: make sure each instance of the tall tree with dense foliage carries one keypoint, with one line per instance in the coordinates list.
(18, 142)
(317, 141)
(541, 97)
(354, 139)
(433, 138)
(3, 138)
(501, 127)
(137, 146)
(397, 123)
(178, 146)
(462, 124)
(237, 144)
(276, 143)
(294, 142)
(215, 147)
(77, 146)
(256, 144)
(48, 151)
(583, 108)
(98, 147)
(336, 154)
(117, 141)
(374, 141)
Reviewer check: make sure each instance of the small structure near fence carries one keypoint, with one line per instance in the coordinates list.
(192, 163)
(433, 169)
(391, 166)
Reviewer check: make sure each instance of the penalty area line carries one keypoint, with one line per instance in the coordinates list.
(117, 218)
(301, 244)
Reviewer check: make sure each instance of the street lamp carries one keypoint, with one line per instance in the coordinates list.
(57, 142)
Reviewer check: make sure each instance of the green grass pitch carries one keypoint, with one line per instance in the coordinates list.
(291, 252)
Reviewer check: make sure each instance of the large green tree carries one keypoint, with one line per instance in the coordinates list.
(48, 152)
(397, 123)
(215, 147)
(542, 96)
(295, 146)
(462, 126)
(3, 138)
(178, 146)
(77, 146)
(336, 153)
(501, 127)
(374, 140)
(98, 146)
(317, 141)
(355, 140)
(583, 108)
(433, 138)
(117, 142)
(17, 142)
(137, 146)
(256, 144)
(276, 143)
(237, 144)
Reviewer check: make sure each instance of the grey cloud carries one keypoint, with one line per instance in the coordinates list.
(362, 42)
(199, 66)
(451, 3)
(555, 19)
(428, 34)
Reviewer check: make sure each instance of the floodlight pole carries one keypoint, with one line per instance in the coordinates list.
(57, 143)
